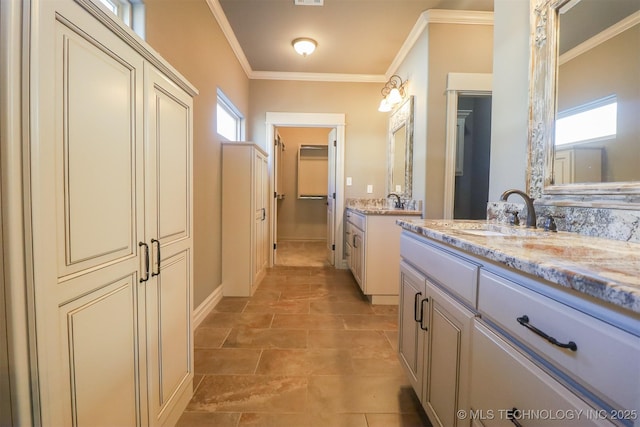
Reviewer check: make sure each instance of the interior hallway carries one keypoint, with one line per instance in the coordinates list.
(302, 253)
(306, 350)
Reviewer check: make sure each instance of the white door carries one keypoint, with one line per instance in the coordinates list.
(278, 151)
(168, 232)
(331, 198)
(86, 219)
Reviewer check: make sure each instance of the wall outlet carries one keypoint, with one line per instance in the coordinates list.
(349, 181)
(369, 188)
(398, 188)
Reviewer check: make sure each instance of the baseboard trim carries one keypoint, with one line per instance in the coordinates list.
(206, 306)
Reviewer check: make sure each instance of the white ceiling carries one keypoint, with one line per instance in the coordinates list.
(355, 37)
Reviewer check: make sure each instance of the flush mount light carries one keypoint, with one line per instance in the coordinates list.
(304, 46)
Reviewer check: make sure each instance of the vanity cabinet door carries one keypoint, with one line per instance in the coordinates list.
(446, 383)
(411, 339)
(503, 380)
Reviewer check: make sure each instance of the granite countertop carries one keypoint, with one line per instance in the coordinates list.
(608, 270)
(372, 210)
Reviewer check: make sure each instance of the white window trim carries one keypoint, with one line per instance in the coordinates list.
(592, 105)
(224, 102)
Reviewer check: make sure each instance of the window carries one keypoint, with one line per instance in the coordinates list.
(131, 12)
(594, 121)
(230, 123)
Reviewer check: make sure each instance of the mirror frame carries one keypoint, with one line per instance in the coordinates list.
(542, 113)
(401, 116)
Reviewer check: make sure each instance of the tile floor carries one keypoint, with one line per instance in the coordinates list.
(309, 253)
(307, 350)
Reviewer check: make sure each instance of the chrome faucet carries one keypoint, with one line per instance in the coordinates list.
(531, 213)
(399, 203)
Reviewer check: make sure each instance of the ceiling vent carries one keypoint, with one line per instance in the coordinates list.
(308, 2)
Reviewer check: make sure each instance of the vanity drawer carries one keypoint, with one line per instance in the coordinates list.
(606, 360)
(503, 379)
(357, 220)
(459, 276)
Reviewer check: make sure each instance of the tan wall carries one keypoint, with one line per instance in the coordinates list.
(452, 48)
(365, 130)
(610, 68)
(300, 219)
(187, 35)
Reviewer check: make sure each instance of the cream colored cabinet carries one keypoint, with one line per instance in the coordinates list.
(435, 329)
(577, 165)
(245, 239)
(374, 245)
(110, 233)
(508, 388)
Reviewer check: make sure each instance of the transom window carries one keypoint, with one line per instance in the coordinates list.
(594, 121)
(131, 12)
(230, 122)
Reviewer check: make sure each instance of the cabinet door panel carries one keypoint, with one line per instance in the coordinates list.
(95, 153)
(170, 135)
(102, 356)
(410, 336)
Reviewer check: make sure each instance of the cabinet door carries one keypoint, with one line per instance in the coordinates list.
(446, 373)
(502, 379)
(261, 238)
(169, 233)
(411, 338)
(358, 257)
(85, 217)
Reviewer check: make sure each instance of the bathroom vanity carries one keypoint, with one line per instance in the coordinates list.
(372, 249)
(503, 325)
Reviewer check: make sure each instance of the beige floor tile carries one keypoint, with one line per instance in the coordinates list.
(385, 310)
(392, 336)
(397, 420)
(381, 323)
(305, 362)
(282, 306)
(357, 394)
(355, 340)
(206, 337)
(266, 338)
(234, 320)
(231, 305)
(330, 307)
(251, 393)
(208, 419)
(302, 420)
(307, 321)
(226, 361)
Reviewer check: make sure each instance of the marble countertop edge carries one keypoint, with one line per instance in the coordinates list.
(549, 265)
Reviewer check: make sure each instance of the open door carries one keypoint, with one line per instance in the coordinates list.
(331, 198)
(278, 191)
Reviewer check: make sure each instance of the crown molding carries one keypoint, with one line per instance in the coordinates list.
(218, 13)
(437, 16)
(603, 36)
(433, 16)
(318, 77)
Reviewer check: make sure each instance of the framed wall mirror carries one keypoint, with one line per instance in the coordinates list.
(400, 154)
(584, 128)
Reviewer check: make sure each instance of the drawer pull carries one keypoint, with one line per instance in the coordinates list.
(424, 328)
(524, 321)
(415, 308)
(513, 415)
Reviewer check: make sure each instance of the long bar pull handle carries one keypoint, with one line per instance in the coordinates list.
(158, 257)
(146, 261)
(513, 415)
(424, 328)
(416, 297)
(264, 214)
(524, 321)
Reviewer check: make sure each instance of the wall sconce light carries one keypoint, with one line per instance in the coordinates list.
(304, 45)
(393, 93)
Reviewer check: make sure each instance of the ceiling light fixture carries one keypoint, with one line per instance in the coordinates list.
(393, 93)
(304, 45)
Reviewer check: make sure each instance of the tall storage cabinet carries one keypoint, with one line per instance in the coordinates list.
(245, 237)
(109, 178)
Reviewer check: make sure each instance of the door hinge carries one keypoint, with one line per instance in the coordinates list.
(333, 247)
(334, 196)
(275, 246)
(275, 195)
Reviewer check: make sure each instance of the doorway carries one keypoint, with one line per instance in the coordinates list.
(302, 171)
(333, 224)
(468, 145)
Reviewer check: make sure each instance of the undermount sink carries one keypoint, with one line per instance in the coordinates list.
(484, 232)
(480, 228)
